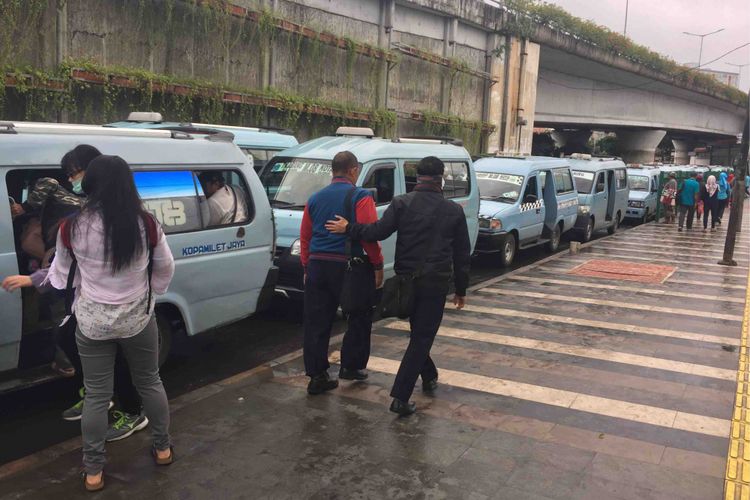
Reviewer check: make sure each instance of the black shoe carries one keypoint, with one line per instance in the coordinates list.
(430, 385)
(403, 409)
(321, 383)
(347, 374)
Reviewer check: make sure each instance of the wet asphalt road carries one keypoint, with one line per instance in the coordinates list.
(30, 419)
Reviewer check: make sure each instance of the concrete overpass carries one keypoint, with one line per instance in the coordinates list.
(574, 92)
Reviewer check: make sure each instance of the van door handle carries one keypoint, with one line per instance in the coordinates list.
(538, 210)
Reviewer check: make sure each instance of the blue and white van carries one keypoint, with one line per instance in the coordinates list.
(643, 183)
(525, 201)
(602, 185)
(260, 144)
(223, 273)
(389, 168)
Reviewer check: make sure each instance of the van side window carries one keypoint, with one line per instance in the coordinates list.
(563, 180)
(457, 181)
(177, 198)
(601, 184)
(531, 193)
(621, 179)
(410, 175)
(383, 179)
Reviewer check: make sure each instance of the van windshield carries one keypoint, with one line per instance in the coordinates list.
(289, 182)
(499, 187)
(638, 183)
(584, 180)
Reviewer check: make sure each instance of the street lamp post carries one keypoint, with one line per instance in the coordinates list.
(627, 6)
(700, 54)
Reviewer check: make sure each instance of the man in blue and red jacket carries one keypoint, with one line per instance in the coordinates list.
(325, 259)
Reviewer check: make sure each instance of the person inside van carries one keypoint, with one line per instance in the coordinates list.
(226, 203)
(117, 256)
(50, 202)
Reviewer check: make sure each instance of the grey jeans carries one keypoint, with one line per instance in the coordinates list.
(98, 361)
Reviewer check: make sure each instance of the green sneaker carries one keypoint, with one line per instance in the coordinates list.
(74, 412)
(124, 425)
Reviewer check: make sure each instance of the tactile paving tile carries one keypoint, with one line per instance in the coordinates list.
(624, 270)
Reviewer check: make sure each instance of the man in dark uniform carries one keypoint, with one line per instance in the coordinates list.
(324, 258)
(433, 231)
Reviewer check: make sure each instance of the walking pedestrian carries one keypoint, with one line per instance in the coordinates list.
(326, 258)
(688, 196)
(710, 197)
(117, 257)
(432, 245)
(668, 196)
(724, 190)
(699, 201)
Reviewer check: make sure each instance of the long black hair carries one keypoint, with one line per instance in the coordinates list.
(78, 159)
(111, 192)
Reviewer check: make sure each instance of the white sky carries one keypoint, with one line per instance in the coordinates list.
(658, 24)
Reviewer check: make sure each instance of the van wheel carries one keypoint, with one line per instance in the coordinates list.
(508, 250)
(613, 228)
(166, 334)
(588, 231)
(646, 215)
(554, 241)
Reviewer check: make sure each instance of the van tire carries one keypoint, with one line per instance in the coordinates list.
(646, 216)
(615, 224)
(554, 241)
(508, 250)
(587, 231)
(166, 334)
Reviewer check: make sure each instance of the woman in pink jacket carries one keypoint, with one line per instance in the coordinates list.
(105, 252)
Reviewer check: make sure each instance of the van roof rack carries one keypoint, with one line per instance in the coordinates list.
(355, 131)
(429, 139)
(280, 130)
(587, 156)
(212, 133)
(77, 129)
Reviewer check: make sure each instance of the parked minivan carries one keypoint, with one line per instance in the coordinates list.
(260, 144)
(525, 201)
(223, 272)
(602, 185)
(389, 168)
(643, 183)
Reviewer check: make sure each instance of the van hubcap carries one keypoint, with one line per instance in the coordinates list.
(508, 251)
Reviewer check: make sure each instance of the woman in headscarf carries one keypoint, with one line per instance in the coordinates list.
(668, 196)
(723, 194)
(710, 197)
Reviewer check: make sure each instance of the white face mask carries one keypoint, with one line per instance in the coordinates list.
(442, 183)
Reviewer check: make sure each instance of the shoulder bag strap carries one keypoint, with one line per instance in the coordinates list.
(351, 216)
(151, 242)
(69, 291)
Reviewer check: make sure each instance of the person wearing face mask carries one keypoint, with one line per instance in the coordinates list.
(51, 202)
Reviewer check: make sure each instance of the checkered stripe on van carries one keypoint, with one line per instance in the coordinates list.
(531, 206)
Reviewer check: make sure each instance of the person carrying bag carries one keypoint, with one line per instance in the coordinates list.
(432, 249)
(338, 271)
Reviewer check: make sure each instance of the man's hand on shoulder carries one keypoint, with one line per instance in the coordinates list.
(459, 301)
(337, 226)
(379, 278)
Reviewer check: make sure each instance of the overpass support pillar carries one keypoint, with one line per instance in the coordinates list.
(639, 146)
(572, 141)
(681, 149)
(511, 102)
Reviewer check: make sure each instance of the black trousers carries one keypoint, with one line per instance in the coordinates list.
(713, 209)
(126, 395)
(722, 207)
(322, 296)
(424, 321)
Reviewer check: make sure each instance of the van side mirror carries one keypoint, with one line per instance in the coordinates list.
(374, 193)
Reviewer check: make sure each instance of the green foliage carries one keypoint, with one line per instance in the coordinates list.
(18, 18)
(470, 132)
(528, 14)
(606, 146)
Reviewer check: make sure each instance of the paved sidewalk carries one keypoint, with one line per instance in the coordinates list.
(557, 381)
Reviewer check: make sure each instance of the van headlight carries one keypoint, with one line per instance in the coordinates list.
(584, 209)
(490, 223)
(296, 248)
(636, 204)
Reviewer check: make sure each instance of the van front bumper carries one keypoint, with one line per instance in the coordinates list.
(291, 274)
(489, 242)
(635, 213)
